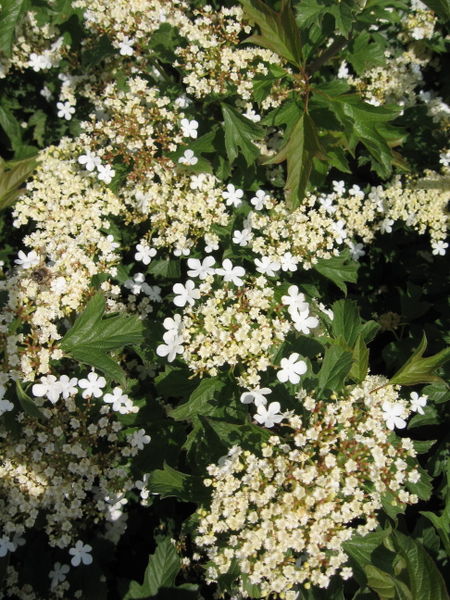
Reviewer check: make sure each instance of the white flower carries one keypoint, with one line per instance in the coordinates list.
(343, 70)
(46, 93)
(257, 396)
(173, 324)
(338, 187)
(439, 248)
(386, 225)
(418, 402)
(67, 386)
(197, 181)
(302, 321)
(144, 253)
(295, 300)
(259, 199)
(182, 101)
(65, 110)
(6, 546)
(137, 284)
(356, 191)
(356, 250)
(105, 173)
(288, 262)
(339, 231)
(120, 402)
(327, 204)
(233, 196)
(58, 574)
(185, 294)
(39, 62)
(58, 285)
(126, 46)
(392, 414)
(444, 158)
(27, 261)
(291, 369)
(153, 292)
(92, 385)
(270, 415)
(5, 406)
(189, 128)
(81, 553)
(231, 273)
(172, 347)
(243, 237)
(49, 387)
(89, 160)
(267, 266)
(199, 268)
(188, 158)
(139, 439)
(251, 115)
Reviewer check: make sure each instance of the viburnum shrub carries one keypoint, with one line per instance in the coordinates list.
(224, 299)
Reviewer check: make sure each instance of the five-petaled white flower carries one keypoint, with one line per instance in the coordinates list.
(266, 266)
(393, 414)
(65, 110)
(120, 402)
(58, 574)
(338, 187)
(294, 299)
(173, 345)
(268, 416)
(439, 248)
(139, 438)
(67, 386)
(185, 294)
(257, 396)
(188, 158)
(418, 402)
(339, 231)
(189, 128)
(126, 46)
(386, 225)
(288, 262)
(259, 199)
(81, 553)
(93, 385)
(105, 173)
(243, 237)
(356, 250)
(27, 261)
(303, 322)
(200, 268)
(5, 406)
(144, 253)
(231, 273)
(291, 369)
(89, 160)
(233, 196)
(49, 387)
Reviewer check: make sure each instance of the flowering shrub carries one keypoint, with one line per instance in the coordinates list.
(223, 257)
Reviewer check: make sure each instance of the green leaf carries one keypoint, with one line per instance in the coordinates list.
(239, 133)
(93, 335)
(425, 579)
(361, 550)
(301, 147)
(420, 370)
(346, 322)
(440, 7)
(380, 581)
(339, 269)
(161, 572)
(165, 268)
(12, 175)
(27, 404)
(442, 522)
(10, 13)
(199, 401)
(335, 368)
(360, 364)
(365, 53)
(278, 30)
(168, 482)
(11, 127)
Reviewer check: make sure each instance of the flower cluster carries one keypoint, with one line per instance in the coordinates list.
(70, 463)
(284, 514)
